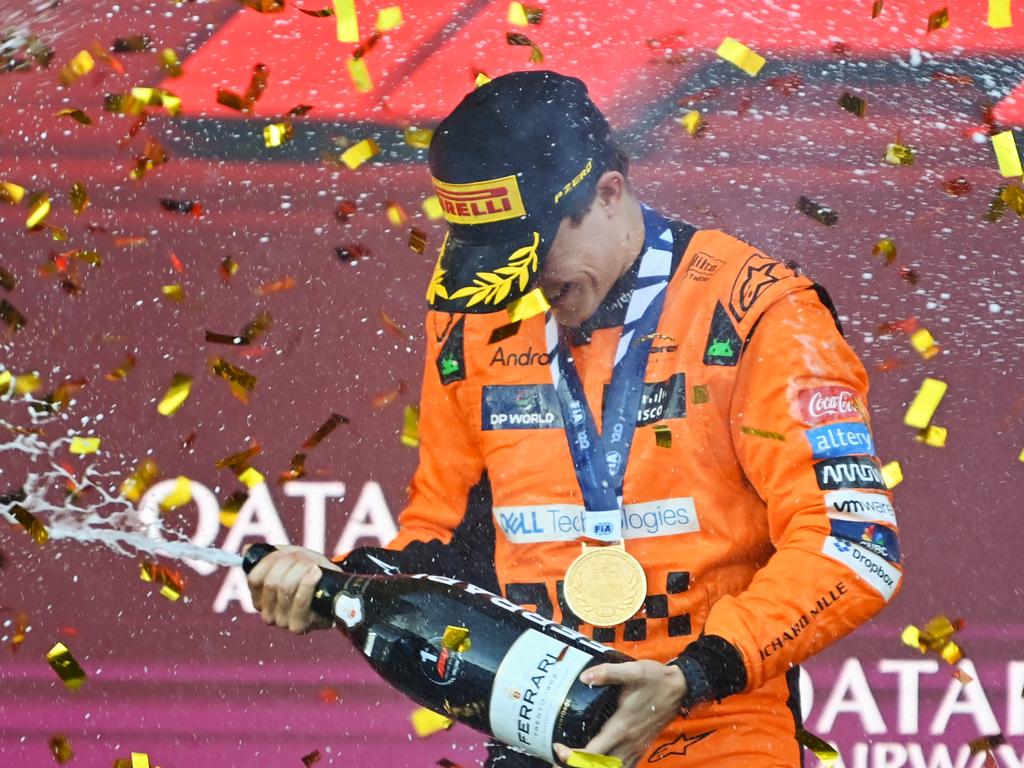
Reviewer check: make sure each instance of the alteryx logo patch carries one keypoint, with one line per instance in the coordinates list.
(520, 406)
(661, 400)
(843, 439)
(874, 536)
(849, 472)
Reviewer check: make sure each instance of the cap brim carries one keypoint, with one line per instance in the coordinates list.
(481, 278)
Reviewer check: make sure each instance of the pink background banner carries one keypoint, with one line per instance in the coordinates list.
(201, 682)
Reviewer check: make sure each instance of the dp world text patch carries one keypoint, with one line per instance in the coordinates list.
(520, 406)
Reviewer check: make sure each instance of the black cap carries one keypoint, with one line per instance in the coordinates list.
(508, 164)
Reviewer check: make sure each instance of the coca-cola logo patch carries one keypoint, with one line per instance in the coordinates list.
(824, 404)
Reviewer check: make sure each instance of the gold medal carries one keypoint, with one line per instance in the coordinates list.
(604, 586)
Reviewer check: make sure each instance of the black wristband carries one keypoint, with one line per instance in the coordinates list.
(713, 668)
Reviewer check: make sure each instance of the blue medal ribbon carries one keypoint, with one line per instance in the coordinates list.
(600, 459)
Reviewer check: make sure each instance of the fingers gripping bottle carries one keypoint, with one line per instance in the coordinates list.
(512, 674)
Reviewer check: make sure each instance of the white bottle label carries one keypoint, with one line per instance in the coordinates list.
(529, 690)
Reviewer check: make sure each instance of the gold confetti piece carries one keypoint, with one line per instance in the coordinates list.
(172, 586)
(580, 759)
(393, 327)
(242, 382)
(237, 462)
(824, 751)
(854, 104)
(312, 757)
(426, 722)
(762, 433)
(79, 197)
(395, 213)
(19, 631)
(518, 38)
(228, 268)
(133, 44)
(11, 192)
(527, 306)
(31, 524)
(481, 79)
(817, 211)
(662, 436)
(60, 748)
(456, 639)
(876, 9)
(1014, 198)
(38, 211)
(140, 480)
(962, 677)
(925, 403)
(276, 134)
(419, 138)
(432, 208)
(81, 446)
(251, 478)
(939, 19)
(122, 371)
(175, 293)
(81, 65)
(741, 56)
(140, 760)
(999, 16)
(176, 395)
(898, 154)
(937, 636)
(933, 436)
(359, 153)
(265, 6)
(417, 240)
(232, 100)
(348, 24)
(517, 15)
(1007, 155)
(986, 743)
(332, 423)
(157, 97)
(77, 115)
(1020, 457)
(691, 121)
(389, 18)
(64, 664)
(169, 62)
(153, 155)
(284, 284)
(179, 496)
(503, 332)
(411, 426)
(229, 511)
(701, 394)
(924, 343)
(892, 474)
(27, 384)
(360, 74)
(322, 13)
(885, 248)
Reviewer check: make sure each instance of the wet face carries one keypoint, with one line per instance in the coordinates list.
(586, 259)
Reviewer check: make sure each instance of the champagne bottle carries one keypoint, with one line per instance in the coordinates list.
(513, 676)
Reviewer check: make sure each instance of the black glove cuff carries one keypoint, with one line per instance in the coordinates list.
(713, 668)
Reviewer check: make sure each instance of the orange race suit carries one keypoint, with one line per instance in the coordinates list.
(758, 510)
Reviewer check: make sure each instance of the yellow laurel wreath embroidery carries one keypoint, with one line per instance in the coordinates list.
(493, 287)
(436, 286)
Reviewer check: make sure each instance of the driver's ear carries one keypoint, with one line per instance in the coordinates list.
(611, 190)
